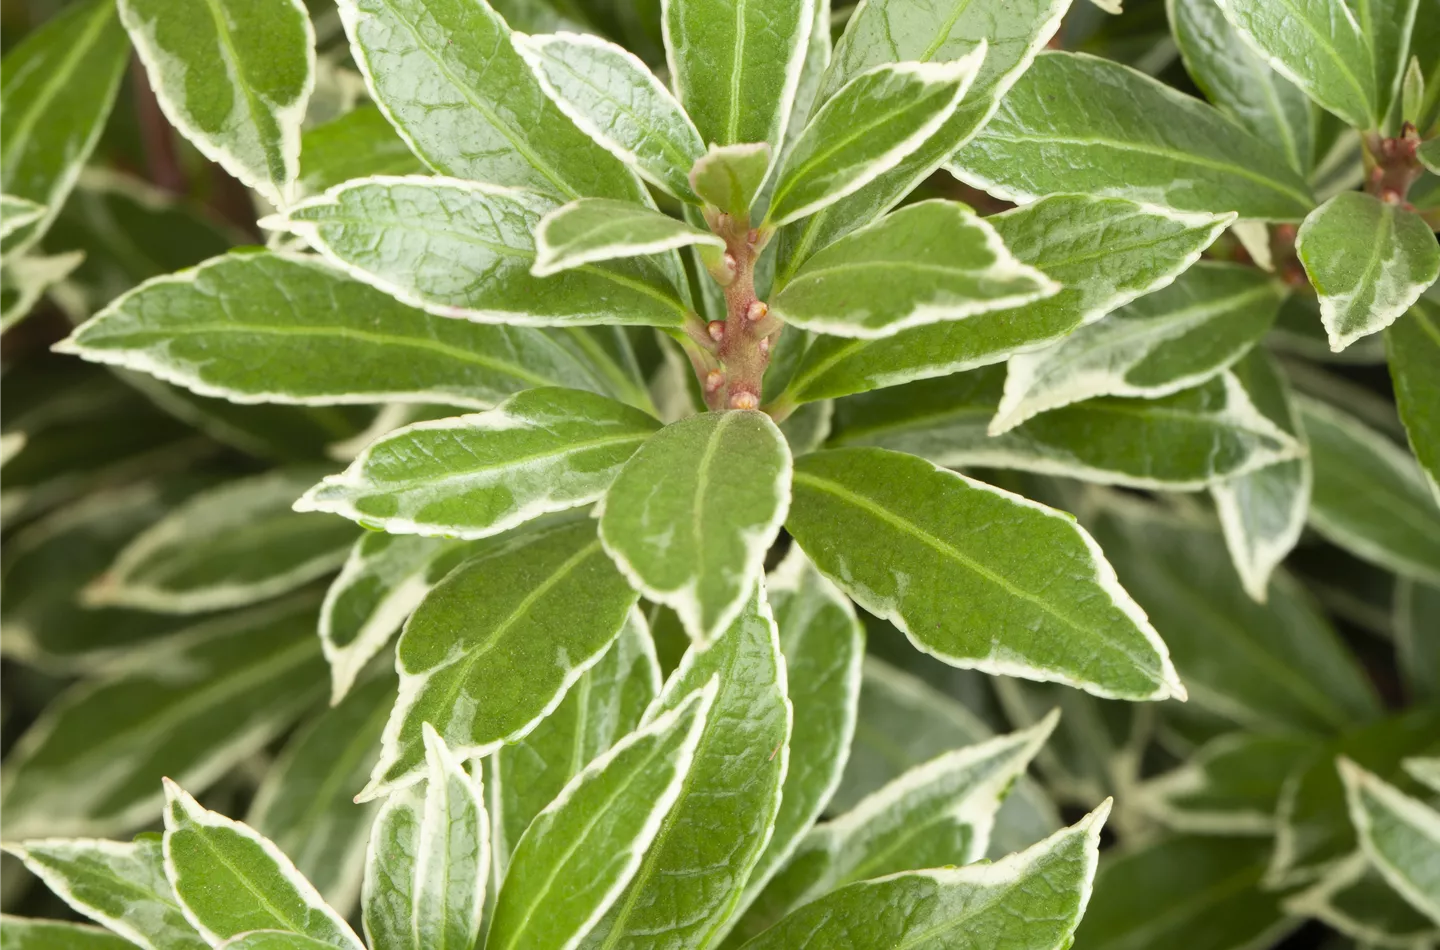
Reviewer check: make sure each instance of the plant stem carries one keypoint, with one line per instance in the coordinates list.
(1391, 164)
(742, 342)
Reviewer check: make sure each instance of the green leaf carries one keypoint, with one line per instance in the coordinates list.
(1032, 900)
(495, 645)
(975, 576)
(1171, 340)
(724, 477)
(1368, 260)
(1400, 835)
(1354, 899)
(599, 229)
(306, 803)
(614, 99)
(231, 880)
(1412, 345)
(938, 814)
(823, 644)
(261, 327)
(1272, 667)
(893, 31)
(234, 78)
(56, 91)
(604, 705)
(866, 129)
(474, 476)
(1318, 46)
(1240, 83)
(1424, 770)
(1104, 252)
(28, 279)
(478, 267)
(926, 263)
(1230, 786)
(227, 547)
(429, 858)
(734, 66)
(1370, 497)
(15, 213)
(1429, 155)
(122, 886)
(445, 74)
(272, 940)
(1262, 514)
(1182, 442)
(1417, 637)
(577, 857)
(695, 870)
(359, 144)
(1197, 893)
(384, 579)
(1314, 834)
(1076, 123)
(89, 765)
(19, 933)
(729, 176)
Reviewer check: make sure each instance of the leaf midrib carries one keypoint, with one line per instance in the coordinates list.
(566, 450)
(252, 104)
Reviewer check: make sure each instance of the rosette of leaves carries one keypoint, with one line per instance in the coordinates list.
(590, 315)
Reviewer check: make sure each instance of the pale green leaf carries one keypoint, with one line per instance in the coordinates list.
(1183, 442)
(807, 428)
(729, 176)
(823, 644)
(253, 327)
(1314, 834)
(234, 77)
(1368, 260)
(604, 705)
(92, 763)
(1196, 893)
(938, 814)
(691, 515)
(867, 128)
(1272, 667)
(474, 476)
(226, 547)
(16, 212)
(1076, 123)
(1171, 340)
(1029, 901)
(695, 870)
(383, 581)
(20, 933)
(272, 940)
(231, 880)
(1424, 770)
(1104, 252)
(600, 229)
(1370, 497)
(1400, 835)
(1319, 46)
(306, 803)
(429, 859)
(894, 31)
(735, 66)
(975, 576)
(927, 263)
(614, 98)
(812, 71)
(56, 91)
(1429, 155)
(28, 279)
(1240, 83)
(478, 265)
(1412, 345)
(1354, 899)
(117, 884)
(584, 848)
(358, 144)
(1388, 26)
(444, 72)
(1262, 514)
(495, 645)
(1230, 786)
(1417, 637)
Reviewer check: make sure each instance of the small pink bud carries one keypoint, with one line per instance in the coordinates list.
(744, 401)
(757, 311)
(716, 329)
(765, 346)
(714, 380)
